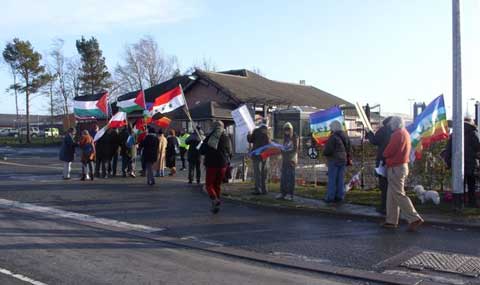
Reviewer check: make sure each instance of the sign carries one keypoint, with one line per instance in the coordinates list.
(363, 117)
(243, 125)
(312, 153)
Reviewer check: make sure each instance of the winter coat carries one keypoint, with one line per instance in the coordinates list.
(220, 157)
(67, 150)
(398, 149)
(290, 154)
(471, 149)
(88, 148)
(150, 148)
(162, 151)
(122, 142)
(259, 137)
(105, 147)
(338, 147)
(380, 139)
(171, 151)
(193, 140)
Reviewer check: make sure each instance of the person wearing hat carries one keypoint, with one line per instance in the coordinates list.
(471, 156)
(193, 155)
(217, 149)
(258, 138)
(150, 154)
(289, 162)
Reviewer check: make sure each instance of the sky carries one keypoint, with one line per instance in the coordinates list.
(387, 52)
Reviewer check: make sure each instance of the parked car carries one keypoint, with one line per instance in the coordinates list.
(34, 132)
(51, 132)
(9, 132)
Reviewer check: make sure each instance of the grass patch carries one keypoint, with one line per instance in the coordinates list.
(37, 141)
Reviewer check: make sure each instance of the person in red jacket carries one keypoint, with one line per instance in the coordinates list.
(397, 156)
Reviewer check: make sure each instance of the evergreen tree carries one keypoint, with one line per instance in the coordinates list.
(26, 62)
(94, 75)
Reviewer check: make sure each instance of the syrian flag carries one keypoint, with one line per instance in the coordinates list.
(91, 106)
(133, 101)
(168, 101)
(118, 120)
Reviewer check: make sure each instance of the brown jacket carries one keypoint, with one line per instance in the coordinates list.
(84, 141)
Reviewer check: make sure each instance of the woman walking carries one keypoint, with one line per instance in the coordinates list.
(88, 155)
(337, 151)
(67, 153)
(171, 152)
(289, 161)
(162, 151)
(218, 151)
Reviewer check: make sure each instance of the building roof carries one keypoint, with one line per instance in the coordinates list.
(210, 110)
(245, 86)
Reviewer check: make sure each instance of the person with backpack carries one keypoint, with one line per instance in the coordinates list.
(150, 154)
(338, 152)
(218, 151)
(67, 152)
(87, 147)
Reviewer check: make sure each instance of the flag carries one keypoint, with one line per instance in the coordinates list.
(118, 120)
(267, 150)
(100, 133)
(140, 129)
(320, 123)
(168, 101)
(355, 181)
(133, 101)
(163, 122)
(429, 127)
(91, 106)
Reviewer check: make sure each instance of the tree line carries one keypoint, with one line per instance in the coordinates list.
(61, 78)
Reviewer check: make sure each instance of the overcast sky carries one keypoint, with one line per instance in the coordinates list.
(372, 51)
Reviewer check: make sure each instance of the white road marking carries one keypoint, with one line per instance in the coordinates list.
(301, 257)
(77, 216)
(208, 242)
(30, 165)
(21, 277)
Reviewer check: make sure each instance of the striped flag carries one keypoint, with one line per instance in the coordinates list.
(91, 106)
(133, 101)
(168, 101)
(118, 120)
(268, 150)
(320, 123)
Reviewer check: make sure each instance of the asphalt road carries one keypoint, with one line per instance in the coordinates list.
(183, 210)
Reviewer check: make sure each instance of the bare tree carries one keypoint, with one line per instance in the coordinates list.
(61, 71)
(206, 64)
(144, 65)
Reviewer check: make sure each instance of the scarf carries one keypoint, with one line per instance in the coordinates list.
(215, 135)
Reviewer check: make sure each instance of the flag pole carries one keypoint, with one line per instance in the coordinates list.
(187, 112)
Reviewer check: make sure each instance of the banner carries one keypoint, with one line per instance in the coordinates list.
(243, 125)
(320, 123)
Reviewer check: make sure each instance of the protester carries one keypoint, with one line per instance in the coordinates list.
(259, 138)
(124, 151)
(67, 152)
(337, 151)
(193, 155)
(88, 155)
(104, 152)
(162, 152)
(183, 147)
(171, 152)
(471, 156)
(150, 154)
(397, 155)
(381, 139)
(94, 130)
(218, 151)
(131, 146)
(289, 162)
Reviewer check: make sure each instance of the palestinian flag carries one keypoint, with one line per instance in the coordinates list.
(91, 106)
(140, 129)
(168, 101)
(118, 120)
(133, 101)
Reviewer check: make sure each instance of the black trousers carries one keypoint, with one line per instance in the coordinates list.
(113, 171)
(183, 151)
(194, 168)
(470, 182)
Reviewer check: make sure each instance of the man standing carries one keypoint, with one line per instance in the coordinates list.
(183, 147)
(67, 152)
(259, 138)
(150, 154)
(193, 155)
(381, 139)
(397, 155)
